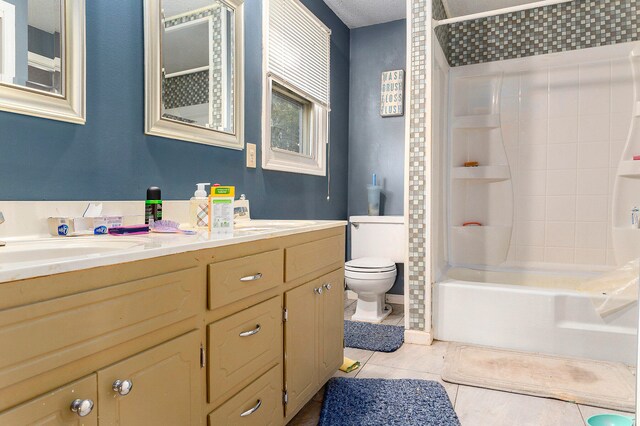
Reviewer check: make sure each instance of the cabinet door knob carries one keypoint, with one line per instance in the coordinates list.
(318, 290)
(82, 407)
(255, 277)
(250, 332)
(122, 387)
(252, 410)
(327, 286)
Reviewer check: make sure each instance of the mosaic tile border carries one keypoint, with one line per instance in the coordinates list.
(187, 18)
(442, 32)
(420, 36)
(568, 26)
(215, 70)
(186, 90)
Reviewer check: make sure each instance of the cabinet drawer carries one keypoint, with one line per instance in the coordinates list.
(236, 279)
(43, 336)
(243, 346)
(258, 404)
(54, 408)
(307, 258)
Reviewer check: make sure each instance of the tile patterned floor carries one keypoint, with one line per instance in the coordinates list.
(474, 406)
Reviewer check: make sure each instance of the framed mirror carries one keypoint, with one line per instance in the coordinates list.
(42, 58)
(194, 73)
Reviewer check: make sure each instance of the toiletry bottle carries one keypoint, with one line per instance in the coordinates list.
(635, 218)
(199, 207)
(153, 205)
(221, 210)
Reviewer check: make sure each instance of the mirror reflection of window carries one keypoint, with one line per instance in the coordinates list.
(198, 63)
(31, 44)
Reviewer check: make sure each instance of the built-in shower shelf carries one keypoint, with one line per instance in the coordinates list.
(485, 121)
(630, 169)
(486, 174)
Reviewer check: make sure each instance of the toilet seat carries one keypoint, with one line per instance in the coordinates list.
(370, 265)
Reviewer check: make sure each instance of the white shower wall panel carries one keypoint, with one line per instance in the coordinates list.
(564, 119)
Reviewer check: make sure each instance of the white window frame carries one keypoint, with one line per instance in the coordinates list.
(316, 133)
(317, 129)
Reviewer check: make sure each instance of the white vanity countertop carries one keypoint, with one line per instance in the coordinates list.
(26, 257)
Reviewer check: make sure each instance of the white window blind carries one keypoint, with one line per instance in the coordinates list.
(299, 48)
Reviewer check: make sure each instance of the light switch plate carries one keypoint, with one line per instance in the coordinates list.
(251, 155)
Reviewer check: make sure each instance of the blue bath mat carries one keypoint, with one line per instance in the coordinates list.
(370, 402)
(373, 337)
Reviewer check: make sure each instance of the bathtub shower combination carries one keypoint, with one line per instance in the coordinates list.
(536, 200)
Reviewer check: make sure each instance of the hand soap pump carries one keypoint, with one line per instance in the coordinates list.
(199, 207)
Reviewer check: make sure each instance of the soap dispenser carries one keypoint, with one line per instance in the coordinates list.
(199, 207)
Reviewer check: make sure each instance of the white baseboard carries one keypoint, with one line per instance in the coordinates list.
(396, 299)
(418, 337)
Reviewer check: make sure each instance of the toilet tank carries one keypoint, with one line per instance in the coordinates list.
(378, 236)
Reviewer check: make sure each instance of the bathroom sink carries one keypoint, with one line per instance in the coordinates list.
(43, 250)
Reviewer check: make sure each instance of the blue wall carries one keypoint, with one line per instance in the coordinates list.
(110, 158)
(376, 144)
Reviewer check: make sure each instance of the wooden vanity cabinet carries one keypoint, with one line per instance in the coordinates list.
(258, 404)
(242, 347)
(53, 408)
(314, 337)
(160, 386)
(243, 334)
(331, 326)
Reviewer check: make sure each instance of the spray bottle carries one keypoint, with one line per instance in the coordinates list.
(153, 205)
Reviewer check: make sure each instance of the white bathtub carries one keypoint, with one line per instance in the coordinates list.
(531, 311)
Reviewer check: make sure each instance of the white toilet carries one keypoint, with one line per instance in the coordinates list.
(377, 244)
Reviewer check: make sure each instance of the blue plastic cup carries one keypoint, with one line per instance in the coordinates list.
(373, 196)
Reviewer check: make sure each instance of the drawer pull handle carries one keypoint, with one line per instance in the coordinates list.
(327, 286)
(82, 407)
(122, 387)
(255, 277)
(251, 332)
(252, 410)
(318, 290)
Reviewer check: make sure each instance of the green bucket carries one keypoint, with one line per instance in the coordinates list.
(610, 420)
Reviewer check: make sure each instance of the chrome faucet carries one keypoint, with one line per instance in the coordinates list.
(2, 243)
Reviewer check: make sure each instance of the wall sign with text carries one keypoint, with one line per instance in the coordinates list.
(392, 94)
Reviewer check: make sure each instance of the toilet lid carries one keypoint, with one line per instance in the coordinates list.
(370, 264)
